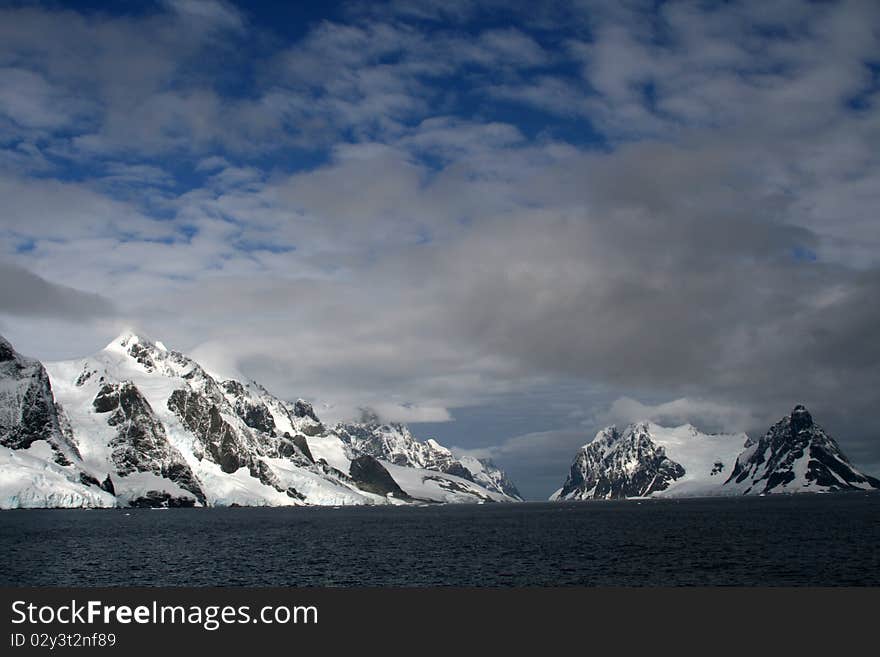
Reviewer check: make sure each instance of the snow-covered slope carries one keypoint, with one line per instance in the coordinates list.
(796, 456)
(395, 444)
(647, 460)
(28, 411)
(147, 426)
(434, 486)
(39, 462)
(705, 458)
(30, 478)
(490, 476)
(167, 432)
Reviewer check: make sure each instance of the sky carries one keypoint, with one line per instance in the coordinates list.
(507, 223)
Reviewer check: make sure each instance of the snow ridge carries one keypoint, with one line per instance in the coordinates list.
(139, 424)
(395, 444)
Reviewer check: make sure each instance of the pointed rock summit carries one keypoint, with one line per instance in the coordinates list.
(796, 455)
(6, 351)
(646, 460)
(620, 464)
(801, 419)
(125, 340)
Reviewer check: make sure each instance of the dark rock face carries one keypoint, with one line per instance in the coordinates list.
(140, 444)
(28, 411)
(155, 499)
(107, 399)
(326, 468)
(7, 353)
(84, 377)
(371, 476)
(259, 470)
(395, 444)
(776, 460)
(226, 445)
(312, 429)
(302, 408)
(202, 417)
(234, 388)
(255, 414)
(143, 354)
(619, 465)
(502, 483)
(295, 494)
(291, 446)
(801, 420)
(89, 480)
(108, 486)
(39, 417)
(458, 470)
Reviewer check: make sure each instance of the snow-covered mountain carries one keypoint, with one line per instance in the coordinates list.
(394, 443)
(489, 475)
(796, 456)
(647, 460)
(38, 457)
(138, 424)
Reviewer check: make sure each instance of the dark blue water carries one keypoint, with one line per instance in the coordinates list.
(804, 540)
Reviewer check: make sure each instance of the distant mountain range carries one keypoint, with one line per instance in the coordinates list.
(140, 425)
(646, 460)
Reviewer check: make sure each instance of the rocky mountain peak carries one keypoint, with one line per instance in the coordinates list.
(796, 455)
(28, 411)
(642, 426)
(302, 408)
(142, 349)
(6, 350)
(801, 419)
(646, 459)
(620, 464)
(159, 430)
(125, 339)
(437, 447)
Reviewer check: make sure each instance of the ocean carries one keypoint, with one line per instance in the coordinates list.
(806, 540)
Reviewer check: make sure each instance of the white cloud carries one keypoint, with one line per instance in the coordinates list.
(706, 415)
(30, 101)
(210, 14)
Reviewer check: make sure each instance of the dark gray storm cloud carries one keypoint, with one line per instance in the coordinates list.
(24, 294)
